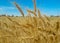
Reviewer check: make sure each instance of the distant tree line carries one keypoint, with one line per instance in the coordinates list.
(54, 16)
(7, 15)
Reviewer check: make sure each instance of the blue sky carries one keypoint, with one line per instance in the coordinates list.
(48, 7)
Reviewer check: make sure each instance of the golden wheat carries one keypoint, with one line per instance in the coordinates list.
(36, 29)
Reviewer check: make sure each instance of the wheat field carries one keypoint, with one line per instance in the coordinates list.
(29, 29)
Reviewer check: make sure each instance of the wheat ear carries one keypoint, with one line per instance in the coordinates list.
(57, 25)
(32, 12)
(46, 17)
(19, 8)
(39, 14)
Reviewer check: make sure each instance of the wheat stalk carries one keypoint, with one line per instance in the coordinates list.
(34, 5)
(29, 15)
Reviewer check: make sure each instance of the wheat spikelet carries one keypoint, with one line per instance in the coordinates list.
(46, 17)
(35, 7)
(6, 25)
(41, 18)
(19, 9)
(49, 24)
(47, 21)
(0, 23)
(39, 15)
(51, 38)
(10, 19)
(32, 12)
(25, 29)
(44, 21)
(57, 25)
(30, 25)
(16, 23)
(29, 15)
(25, 26)
(35, 21)
(13, 21)
(6, 30)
